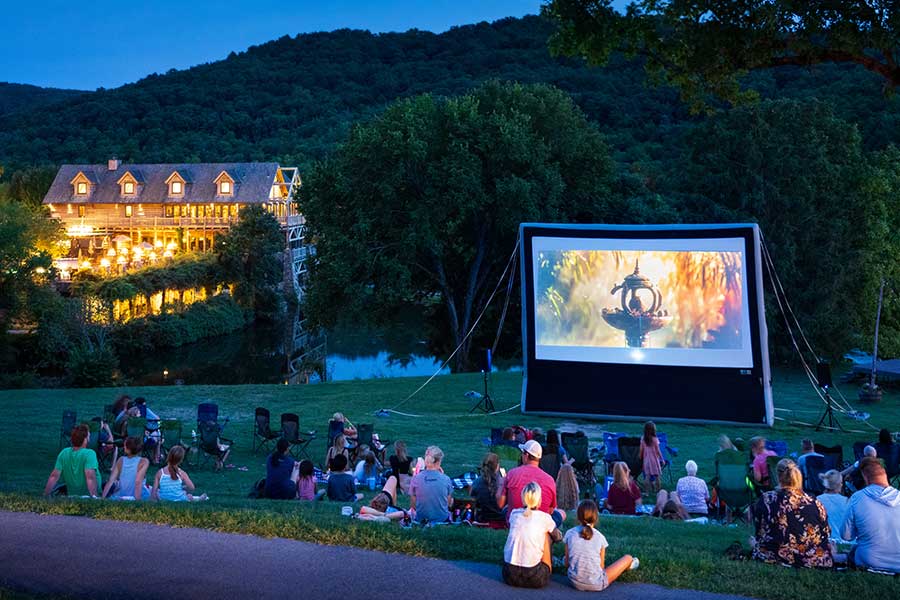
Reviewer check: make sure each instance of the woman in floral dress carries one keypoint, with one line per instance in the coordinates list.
(791, 526)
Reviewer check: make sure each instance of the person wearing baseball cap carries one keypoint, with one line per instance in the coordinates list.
(509, 492)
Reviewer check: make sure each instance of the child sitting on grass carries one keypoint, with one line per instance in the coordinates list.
(306, 481)
(172, 483)
(586, 553)
(341, 484)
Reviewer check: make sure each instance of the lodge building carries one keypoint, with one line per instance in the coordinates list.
(123, 216)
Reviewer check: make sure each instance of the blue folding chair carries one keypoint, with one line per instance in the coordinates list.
(779, 447)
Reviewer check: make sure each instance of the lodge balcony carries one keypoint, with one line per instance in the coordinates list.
(104, 224)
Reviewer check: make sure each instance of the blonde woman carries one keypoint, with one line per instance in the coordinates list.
(624, 494)
(567, 491)
(339, 447)
(526, 556)
(791, 526)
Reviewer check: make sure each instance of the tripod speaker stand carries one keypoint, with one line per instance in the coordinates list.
(485, 402)
(828, 420)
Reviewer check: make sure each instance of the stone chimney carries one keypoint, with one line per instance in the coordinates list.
(113, 164)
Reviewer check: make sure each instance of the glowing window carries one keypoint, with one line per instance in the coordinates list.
(177, 188)
(128, 188)
(81, 211)
(127, 210)
(81, 189)
(225, 187)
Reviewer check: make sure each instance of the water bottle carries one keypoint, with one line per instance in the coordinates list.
(194, 437)
(468, 516)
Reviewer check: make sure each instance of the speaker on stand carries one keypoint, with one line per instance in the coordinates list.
(828, 420)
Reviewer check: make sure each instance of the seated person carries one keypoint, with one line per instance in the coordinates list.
(401, 466)
(693, 491)
(853, 476)
(669, 507)
(484, 491)
(526, 555)
(567, 491)
(367, 468)
(760, 453)
(280, 482)
(586, 553)
(172, 484)
(885, 444)
(341, 485)
(339, 447)
(508, 438)
(510, 491)
(873, 518)
(431, 492)
(130, 472)
(349, 430)
(791, 526)
(807, 449)
(834, 502)
(624, 495)
(306, 481)
(152, 439)
(76, 466)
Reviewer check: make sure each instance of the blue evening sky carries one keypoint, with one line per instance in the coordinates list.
(85, 45)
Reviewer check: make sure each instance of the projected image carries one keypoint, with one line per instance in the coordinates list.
(659, 306)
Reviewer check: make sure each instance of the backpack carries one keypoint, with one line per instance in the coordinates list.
(258, 489)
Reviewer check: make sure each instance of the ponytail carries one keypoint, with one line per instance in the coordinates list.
(531, 497)
(587, 532)
(588, 513)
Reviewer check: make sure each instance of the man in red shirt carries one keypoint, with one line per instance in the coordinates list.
(510, 489)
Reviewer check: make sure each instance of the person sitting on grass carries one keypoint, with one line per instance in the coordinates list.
(306, 481)
(833, 500)
(624, 495)
(153, 437)
(280, 484)
(873, 519)
(669, 507)
(172, 484)
(368, 467)
(76, 466)
(651, 455)
(510, 491)
(431, 492)
(401, 466)
(567, 492)
(484, 491)
(693, 491)
(791, 526)
(130, 472)
(526, 555)
(853, 476)
(339, 447)
(341, 484)
(760, 453)
(586, 553)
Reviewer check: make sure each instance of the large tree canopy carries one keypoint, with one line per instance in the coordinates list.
(424, 202)
(704, 46)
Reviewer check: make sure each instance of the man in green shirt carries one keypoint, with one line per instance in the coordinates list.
(77, 466)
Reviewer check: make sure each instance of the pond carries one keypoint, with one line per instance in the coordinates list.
(262, 354)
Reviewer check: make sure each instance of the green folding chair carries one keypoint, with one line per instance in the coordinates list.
(171, 431)
(732, 485)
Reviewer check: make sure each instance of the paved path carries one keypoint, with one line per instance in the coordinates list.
(83, 557)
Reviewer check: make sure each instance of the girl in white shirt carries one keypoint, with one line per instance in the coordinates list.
(526, 556)
(586, 553)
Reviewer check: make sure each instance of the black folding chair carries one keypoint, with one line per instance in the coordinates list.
(263, 436)
(65, 430)
(210, 443)
(364, 435)
(299, 442)
(814, 465)
(630, 454)
(577, 448)
(834, 455)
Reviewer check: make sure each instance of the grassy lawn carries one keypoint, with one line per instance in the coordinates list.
(672, 554)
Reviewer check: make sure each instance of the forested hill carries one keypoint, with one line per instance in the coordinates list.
(15, 96)
(292, 99)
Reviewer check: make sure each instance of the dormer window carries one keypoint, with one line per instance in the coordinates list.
(81, 188)
(81, 184)
(224, 184)
(176, 184)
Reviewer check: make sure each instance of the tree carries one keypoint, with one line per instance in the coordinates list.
(250, 253)
(828, 215)
(27, 241)
(704, 47)
(423, 203)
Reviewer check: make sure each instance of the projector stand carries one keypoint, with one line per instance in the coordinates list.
(828, 420)
(485, 403)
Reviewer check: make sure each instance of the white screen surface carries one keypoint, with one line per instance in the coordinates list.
(687, 304)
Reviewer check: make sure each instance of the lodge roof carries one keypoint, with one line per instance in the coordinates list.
(252, 183)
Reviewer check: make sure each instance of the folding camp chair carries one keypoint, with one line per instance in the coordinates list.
(779, 447)
(335, 428)
(611, 449)
(299, 442)
(263, 436)
(772, 466)
(584, 467)
(95, 427)
(630, 454)
(208, 412)
(550, 463)
(666, 451)
(510, 456)
(732, 486)
(813, 465)
(170, 431)
(65, 429)
(364, 435)
(496, 436)
(210, 443)
(834, 456)
(890, 456)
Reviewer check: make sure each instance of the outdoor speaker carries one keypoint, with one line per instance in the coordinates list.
(823, 374)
